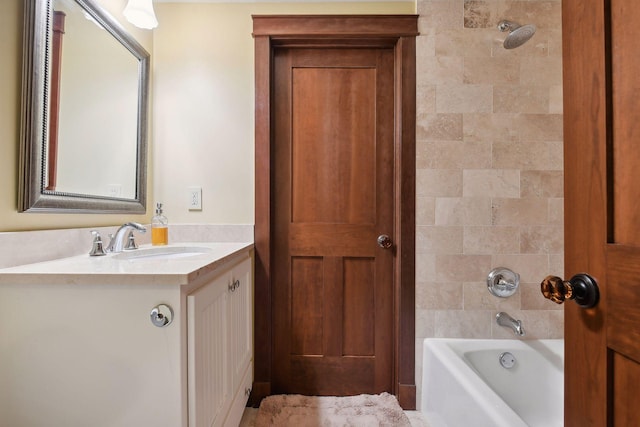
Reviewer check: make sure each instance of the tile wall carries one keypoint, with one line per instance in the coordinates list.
(489, 167)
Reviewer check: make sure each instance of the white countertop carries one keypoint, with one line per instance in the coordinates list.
(112, 268)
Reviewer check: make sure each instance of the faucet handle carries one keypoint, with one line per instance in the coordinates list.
(97, 249)
(112, 241)
(131, 242)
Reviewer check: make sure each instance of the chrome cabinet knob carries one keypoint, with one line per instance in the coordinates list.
(384, 241)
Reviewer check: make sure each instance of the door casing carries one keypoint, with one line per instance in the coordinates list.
(399, 32)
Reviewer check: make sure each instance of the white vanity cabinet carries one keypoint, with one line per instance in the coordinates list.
(220, 348)
(78, 347)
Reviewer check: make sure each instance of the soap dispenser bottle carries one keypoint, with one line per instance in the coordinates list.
(159, 227)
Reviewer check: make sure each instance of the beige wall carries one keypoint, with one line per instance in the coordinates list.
(11, 26)
(489, 167)
(204, 132)
(204, 103)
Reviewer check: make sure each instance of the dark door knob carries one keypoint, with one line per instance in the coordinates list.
(581, 288)
(384, 241)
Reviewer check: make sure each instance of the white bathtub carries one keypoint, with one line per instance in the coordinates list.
(465, 385)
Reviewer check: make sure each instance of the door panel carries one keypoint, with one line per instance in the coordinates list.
(602, 210)
(623, 250)
(340, 234)
(334, 186)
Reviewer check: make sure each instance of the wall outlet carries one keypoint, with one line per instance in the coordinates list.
(194, 201)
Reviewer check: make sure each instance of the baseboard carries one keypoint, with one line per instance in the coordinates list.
(407, 396)
(259, 391)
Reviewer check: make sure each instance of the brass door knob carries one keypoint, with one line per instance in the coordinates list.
(581, 288)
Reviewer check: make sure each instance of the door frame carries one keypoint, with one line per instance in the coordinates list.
(585, 84)
(393, 31)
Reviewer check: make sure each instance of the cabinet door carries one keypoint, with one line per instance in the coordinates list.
(240, 321)
(209, 381)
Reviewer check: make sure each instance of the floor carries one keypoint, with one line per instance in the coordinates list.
(417, 418)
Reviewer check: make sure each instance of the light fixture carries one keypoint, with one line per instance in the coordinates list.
(140, 13)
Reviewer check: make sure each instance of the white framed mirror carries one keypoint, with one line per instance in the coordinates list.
(84, 111)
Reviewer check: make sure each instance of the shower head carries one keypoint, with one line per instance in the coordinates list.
(518, 34)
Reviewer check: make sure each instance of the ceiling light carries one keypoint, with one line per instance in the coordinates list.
(140, 13)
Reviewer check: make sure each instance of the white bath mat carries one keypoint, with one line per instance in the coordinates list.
(364, 410)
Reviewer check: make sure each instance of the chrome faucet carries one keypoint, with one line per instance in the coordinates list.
(117, 242)
(504, 319)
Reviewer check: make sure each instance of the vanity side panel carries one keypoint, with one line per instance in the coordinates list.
(89, 355)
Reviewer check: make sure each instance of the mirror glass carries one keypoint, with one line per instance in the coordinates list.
(85, 111)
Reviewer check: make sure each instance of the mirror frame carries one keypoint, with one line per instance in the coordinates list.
(32, 195)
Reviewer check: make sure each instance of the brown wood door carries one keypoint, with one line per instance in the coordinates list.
(333, 178)
(602, 209)
(335, 168)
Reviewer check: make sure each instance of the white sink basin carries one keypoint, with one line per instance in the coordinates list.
(162, 253)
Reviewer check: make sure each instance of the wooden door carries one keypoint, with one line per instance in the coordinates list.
(602, 209)
(333, 174)
(335, 169)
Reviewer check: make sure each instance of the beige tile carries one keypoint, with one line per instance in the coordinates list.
(440, 154)
(491, 183)
(538, 127)
(495, 71)
(478, 297)
(541, 239)
(489, 127)
(463, 211)
(555, 99)
(439, 15)
(425, 45)
(425, 101)
(440, 69)
(453, 155)
(529, 266)
(465, 42)
(425, 210)
(521, 99)
(439, 182)
(556, 264)
(439, 127)
(477, 13)
(532, 298)
(525, 155)
(556, 156)
(463, 324)
(554, 38)
(465, 98)
(491, 240)
(556, 211)
(556, 324)
(529, 211)
(542, 184)
(462, 268)
(425, 267)
(439, 296)
(425, 323)
(541, 71)
(432, 239)
(543, 14)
